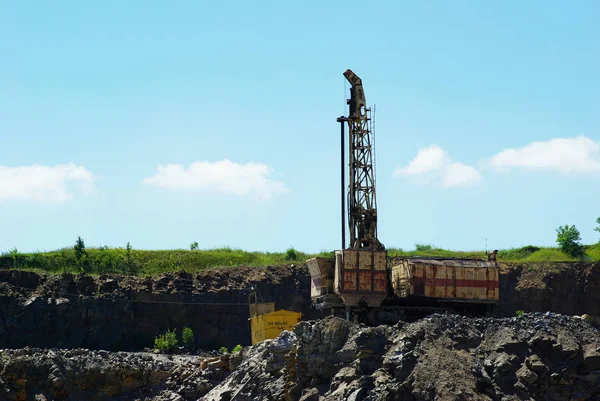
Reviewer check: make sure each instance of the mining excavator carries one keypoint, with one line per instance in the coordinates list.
(360, 282)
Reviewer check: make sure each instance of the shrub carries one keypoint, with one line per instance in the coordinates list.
(423, 247)
(529, 249)
(598, 228)
(519, 313)
(187, 336)
(194, 246)
(291, 254)
(166, 342)
(568, 238)
(237, 348)
(224, 350)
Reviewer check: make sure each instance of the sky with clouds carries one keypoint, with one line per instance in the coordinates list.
(163, 124)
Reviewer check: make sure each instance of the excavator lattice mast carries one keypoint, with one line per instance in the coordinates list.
(362, 202)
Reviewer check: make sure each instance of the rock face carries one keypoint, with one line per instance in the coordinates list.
(570, 288)
(80, 374)
(127, 313)
(442, 357)
(536, 356)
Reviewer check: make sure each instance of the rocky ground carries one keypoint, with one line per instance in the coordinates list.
(537, 356)
(443, 357)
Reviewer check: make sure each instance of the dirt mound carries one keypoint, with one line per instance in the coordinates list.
(540, 356)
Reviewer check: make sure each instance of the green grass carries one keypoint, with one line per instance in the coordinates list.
(147, 262)
(115, 260)
(525, 254)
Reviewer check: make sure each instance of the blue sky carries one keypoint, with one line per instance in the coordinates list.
(240, 99)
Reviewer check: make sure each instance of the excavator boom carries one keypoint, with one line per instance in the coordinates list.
(362, 203)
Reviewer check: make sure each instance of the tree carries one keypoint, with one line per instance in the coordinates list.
(194, 246)
(80, 253)
(128, 257)
(79, 248)
(598, 228)
(568, 238)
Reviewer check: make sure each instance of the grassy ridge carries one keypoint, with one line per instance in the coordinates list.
(143, 262)
(120, 261)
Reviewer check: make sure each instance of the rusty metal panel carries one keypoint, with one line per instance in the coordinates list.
(462, 279)
(380, 260)
(365, 260)
(380, 281)
(364, 281)
(427, 274)
(350, 259)
(349, 280)
(440, 281)
(401, 279)
(338, 279)
(480, 284)
(321, 276)
(419, 280)
(468, 284)
(360, 281)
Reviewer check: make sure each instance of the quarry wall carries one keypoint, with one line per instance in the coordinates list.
(127, 313)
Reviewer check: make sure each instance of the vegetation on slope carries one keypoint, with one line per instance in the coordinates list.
(148, 262)
(525, 254)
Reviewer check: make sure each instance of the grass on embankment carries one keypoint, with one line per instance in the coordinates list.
(143, 262)
(525, 254)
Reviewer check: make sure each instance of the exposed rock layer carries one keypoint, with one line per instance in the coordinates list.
(538, 356)
(126, 313)
(443, 357)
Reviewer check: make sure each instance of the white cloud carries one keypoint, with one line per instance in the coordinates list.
(566, 155)
(428, 159)
(433, 165)
(222, 176)
(460, 175)
(44, 183)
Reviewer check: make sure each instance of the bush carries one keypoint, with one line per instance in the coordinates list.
(291, 254)
(529, 249)
(194, 246)
(187, 336)
(166, 342)
(423, 247)
(598, 228)
(224, 350)
(237, 348)
(519, 313)
(568, 238)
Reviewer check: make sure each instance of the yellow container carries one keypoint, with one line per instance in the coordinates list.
(270, 325)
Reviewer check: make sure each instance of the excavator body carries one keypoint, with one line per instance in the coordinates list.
(361, 280)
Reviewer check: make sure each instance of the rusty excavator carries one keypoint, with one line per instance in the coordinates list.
(360, 281)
